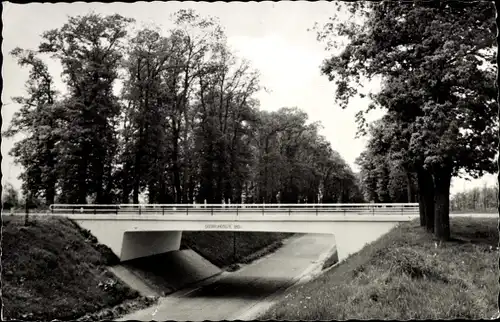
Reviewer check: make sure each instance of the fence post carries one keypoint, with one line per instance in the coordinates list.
(163, 210)
(187, 210)
(139, 210)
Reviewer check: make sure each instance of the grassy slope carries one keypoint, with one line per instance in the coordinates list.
(51, 269)
(217, 247)
(475, 211)
(405, 276)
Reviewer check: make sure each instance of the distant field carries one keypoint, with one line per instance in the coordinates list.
(475, 211)
(406, 275)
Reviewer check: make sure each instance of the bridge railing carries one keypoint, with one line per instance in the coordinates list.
(84, 208)
(163, 209)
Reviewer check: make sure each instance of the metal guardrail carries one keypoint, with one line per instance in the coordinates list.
(373, 209)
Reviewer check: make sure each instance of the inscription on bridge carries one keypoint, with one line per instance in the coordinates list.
(223, 226)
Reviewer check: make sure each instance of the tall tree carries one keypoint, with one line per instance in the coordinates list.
(10, 197)
(384, 165)
(37, 119)
(89, 48)
(185, 127)
(433, 58)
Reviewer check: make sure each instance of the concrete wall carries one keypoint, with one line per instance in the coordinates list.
(132, 244)
(147, 243)
(134, 236)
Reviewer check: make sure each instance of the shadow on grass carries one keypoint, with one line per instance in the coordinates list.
(475, 231)
(331, 260)
(241, 287)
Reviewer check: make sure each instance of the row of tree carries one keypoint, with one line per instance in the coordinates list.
(12, 200)
(484, 198)
(436, 62)
(172, 116)
(384, 179)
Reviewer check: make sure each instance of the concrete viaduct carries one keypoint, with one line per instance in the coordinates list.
(133, 231)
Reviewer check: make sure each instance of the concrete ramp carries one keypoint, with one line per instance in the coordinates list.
(165, 273)
(134, 280)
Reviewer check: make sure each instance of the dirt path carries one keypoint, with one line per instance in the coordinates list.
(245, 293)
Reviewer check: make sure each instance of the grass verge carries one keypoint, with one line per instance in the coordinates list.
(475, 211)
(52, 269)
(218, 246)
(406, 275)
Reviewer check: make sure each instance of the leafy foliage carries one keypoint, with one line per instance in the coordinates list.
(437, 86)
(10, 197)
(185, 126)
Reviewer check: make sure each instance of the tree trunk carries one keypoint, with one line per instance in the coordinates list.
(426, 202)
(152, 197)
(50, 192)
(108, 190)
(409, 188)
(442, 181)
(125, 185)
(421, 198)
(82, 181)
(176, 167)
(429, 203)
(99, 186)
(125, 194)
(191, 189)
(97, 164)
(137, 175)
(421, 209)
(136, 188)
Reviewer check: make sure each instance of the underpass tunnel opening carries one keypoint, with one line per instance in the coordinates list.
(147, 243)
(174, 270)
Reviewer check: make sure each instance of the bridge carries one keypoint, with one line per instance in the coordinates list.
(139, 230)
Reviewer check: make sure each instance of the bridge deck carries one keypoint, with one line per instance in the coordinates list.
(239, 209)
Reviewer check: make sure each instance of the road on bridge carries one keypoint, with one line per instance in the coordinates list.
(247, 292)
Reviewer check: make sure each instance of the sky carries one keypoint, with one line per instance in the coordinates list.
(273, 36)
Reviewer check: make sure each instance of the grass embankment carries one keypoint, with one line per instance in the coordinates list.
(218, 247)
(406, 275)
(475, 211)
(52, 269)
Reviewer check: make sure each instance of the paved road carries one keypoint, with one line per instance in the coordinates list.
(244, 293)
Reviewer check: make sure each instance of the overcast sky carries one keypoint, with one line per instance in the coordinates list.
(273, 36)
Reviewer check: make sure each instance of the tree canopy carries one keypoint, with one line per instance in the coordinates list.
(169, 114)
(435, 61)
